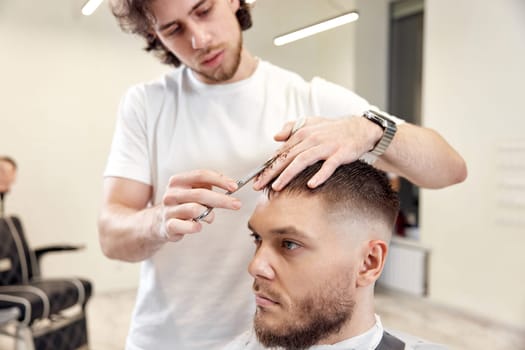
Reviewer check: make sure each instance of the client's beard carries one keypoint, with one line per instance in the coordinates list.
(310, 320)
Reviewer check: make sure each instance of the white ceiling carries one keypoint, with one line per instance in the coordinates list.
(271, 17)
(276, 17)
(62, 19)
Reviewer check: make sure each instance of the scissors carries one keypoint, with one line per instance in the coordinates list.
(243, 181)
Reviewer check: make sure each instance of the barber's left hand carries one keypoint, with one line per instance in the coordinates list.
(337, 141)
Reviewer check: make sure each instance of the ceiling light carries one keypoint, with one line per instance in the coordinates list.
(316, 28)
(90, 6)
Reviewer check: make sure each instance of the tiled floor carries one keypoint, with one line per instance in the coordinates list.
(445, 326)
(109, 316)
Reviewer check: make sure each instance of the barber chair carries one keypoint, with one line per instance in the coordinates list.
(38, 313)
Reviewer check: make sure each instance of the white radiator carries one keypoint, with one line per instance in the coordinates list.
(406, 268)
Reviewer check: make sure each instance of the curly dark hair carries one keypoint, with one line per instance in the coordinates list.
(135, 16)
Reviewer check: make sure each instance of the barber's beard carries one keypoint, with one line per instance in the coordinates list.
(227, 70)
(310, 320)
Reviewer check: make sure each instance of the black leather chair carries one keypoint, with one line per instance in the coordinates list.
(51, 312)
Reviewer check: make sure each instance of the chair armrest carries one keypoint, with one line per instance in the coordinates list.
(10, 314)
(39, 252)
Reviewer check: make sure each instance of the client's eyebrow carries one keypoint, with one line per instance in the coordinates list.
(290, 230)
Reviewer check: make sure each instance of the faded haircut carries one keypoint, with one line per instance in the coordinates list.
(355, 188)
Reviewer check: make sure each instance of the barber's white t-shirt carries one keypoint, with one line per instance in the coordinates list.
(196, 293)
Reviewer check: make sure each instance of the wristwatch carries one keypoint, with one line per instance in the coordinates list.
(389, 130)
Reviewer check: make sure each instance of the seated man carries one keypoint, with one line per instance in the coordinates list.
(318, 254)
(7, 178)
(7, 173)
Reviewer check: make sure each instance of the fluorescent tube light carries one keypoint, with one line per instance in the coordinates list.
(316, 28)
(90, 6)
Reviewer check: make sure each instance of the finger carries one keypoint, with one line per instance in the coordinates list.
(302, 161)
(202, 196)
(303, 136)
(308, 149)
(202, 178)
(186, 211)
(178, 220)
(327, 169)
(298, 164)
(176, 229)
(285, 132)
(297, 143)
(271, 171)
(290, 129)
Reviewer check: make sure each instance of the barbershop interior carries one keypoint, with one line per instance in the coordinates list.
(454, 271)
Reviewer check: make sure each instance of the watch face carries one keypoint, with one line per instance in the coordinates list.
(373, 117)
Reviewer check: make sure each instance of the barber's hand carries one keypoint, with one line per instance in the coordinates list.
(337, 141)
(187, 196)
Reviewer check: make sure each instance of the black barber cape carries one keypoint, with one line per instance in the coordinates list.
(389, 342)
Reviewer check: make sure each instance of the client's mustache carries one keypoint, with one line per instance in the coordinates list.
(262, 287)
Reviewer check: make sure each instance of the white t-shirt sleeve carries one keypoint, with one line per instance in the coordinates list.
(129, 156)
(332, 100)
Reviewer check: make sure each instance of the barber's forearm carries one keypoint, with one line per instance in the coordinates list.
(129, 235)
(422, 156)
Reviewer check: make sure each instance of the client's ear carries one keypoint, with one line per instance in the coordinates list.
(372, 263)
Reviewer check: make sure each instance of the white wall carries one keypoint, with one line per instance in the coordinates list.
(62, 76)
(371, 51)
(473, 92)
(329, 54)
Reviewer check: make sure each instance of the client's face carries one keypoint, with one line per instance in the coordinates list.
(304, 273)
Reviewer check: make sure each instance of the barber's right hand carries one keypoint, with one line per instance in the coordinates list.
(187, 196)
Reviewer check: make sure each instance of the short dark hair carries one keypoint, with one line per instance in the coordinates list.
(9, 160)
(355, 187)
(135, 16)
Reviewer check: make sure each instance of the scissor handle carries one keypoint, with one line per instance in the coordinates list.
(208, 210)
(203, 215)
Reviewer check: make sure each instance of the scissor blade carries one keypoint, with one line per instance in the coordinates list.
(241, 182)
(250, 176)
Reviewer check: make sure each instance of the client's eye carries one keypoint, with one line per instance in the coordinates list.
(290, 245)
(256, 238)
